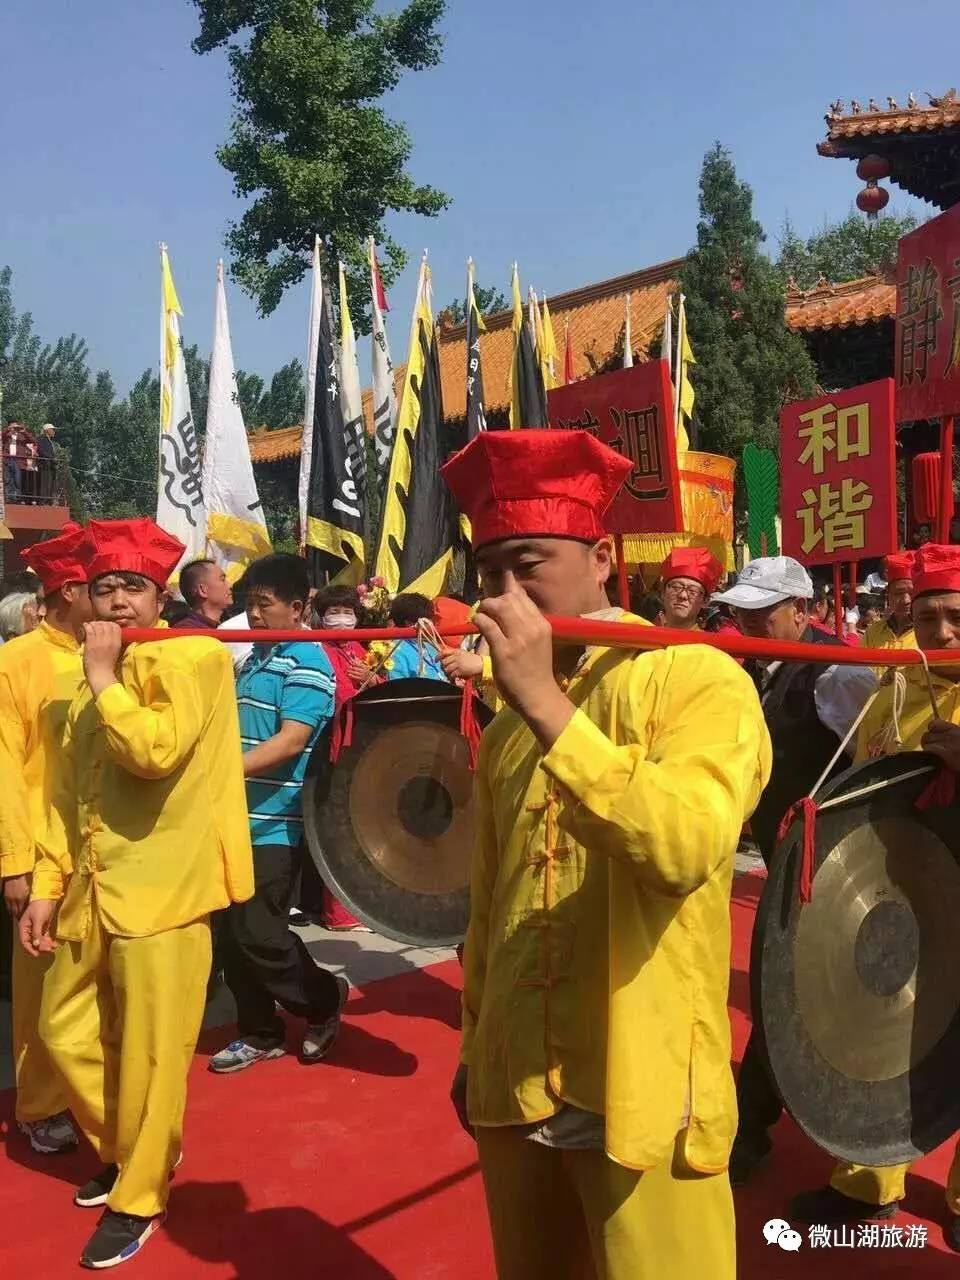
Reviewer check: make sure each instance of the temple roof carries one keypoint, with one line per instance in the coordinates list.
(595, 315)
(836, 306)
(922, 144)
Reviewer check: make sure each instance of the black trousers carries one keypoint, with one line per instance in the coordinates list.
(265, 962)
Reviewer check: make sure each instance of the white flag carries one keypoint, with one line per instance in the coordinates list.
(179, 497)
(236, 528)
(351, 398)
(313, 343)
(627, 337)
(384, 395)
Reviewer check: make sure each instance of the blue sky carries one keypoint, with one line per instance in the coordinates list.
(568, 133)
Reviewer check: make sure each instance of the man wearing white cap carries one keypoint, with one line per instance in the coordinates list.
(809, 709)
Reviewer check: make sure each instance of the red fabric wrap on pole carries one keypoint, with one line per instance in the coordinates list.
(469, 728)
(945, 513)
(839, 612)
(806, 811)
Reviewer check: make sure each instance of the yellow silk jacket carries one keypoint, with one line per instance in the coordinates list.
(149, 815)
(880, 635)
(597, 958)
(40, 674)
(877, 737)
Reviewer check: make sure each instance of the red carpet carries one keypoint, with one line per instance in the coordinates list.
(357, 1169)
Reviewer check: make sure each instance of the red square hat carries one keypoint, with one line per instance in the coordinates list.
(61, 559)
(534, 483)
(936, 568)
(695, 563)
(899, 565)
(133, 546)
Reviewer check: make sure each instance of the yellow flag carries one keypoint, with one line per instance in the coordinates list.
(548, 362)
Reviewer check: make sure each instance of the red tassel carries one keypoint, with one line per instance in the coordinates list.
(341, 735)
(939, 792)
(806, 811)
(468, 722)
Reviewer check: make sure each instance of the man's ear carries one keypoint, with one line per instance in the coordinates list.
(602, 554)
(162, 597)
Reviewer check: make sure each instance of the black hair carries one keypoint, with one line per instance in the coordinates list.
(191, 575)
(336, 597)
(406, 610)
(283, 574)
(650, 607)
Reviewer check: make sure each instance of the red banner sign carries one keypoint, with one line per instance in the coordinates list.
(632, 411)
(927, 361)
(838, 491)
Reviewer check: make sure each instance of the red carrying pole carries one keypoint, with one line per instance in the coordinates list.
(838, 610)
(946, 479)
(586, 631)
(622, 579)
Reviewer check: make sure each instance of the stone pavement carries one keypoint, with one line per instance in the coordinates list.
(361, 957)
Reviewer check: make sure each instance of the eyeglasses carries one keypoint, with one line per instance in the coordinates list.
(692, 590)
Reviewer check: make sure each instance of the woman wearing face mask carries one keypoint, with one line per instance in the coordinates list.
(338, 609)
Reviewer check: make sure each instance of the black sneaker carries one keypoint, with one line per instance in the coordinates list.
(117, 1238)
(827, 1205)
(95, 1192)
(320, 1037)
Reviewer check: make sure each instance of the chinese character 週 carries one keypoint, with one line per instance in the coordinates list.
(953, 358)
(891, 1237)
(919, 319)
(868, 1235)
(835, 517)
(843, 1237)
(820, 1237)
(844, 431)
(916, 1236)
(639, 440)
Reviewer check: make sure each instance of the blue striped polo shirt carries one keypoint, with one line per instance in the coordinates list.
(292, 681)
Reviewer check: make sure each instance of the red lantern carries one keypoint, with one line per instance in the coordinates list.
(926, 487)
(872, 199)
(870, 168)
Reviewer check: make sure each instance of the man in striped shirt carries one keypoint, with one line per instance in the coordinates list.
(285, 693)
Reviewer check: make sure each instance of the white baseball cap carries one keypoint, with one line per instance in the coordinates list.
(767, 581)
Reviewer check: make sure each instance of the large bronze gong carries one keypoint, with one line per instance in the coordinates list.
(857, 992)
(390, 825)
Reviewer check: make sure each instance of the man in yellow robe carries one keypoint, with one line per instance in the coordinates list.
(40, 673)
(147, 835)
(895, 630)
(595, 1062)
(858, 1192)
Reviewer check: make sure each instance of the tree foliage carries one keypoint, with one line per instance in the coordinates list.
(110, 442)
(748, 363)
(489, 302)
(309, 142)
(846, 250)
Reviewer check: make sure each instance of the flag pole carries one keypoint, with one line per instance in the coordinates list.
(946, 479)
(838, 610)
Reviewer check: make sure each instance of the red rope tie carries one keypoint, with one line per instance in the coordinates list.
(341, 736)
(940, 791)
(469, 728)
(806, 811)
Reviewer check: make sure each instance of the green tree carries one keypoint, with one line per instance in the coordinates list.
(308, 141)
(489, 301)
(846, 250)
(748, 363)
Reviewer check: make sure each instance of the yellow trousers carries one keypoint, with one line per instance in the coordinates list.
(576, 1215)
(39, 1088)
(120, 1018)
(886, 1184)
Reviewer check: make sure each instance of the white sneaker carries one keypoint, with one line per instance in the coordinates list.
(51, 1136)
